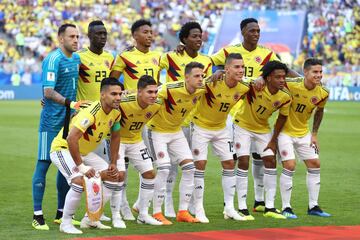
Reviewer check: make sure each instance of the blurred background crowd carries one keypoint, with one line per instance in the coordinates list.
(28, 29)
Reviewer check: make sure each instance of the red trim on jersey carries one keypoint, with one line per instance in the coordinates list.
(169, 102)
(321, 101)
(267, 58)
(123, 117)
(83, 74)
(284, 103)
(209, 96)
(250, 95)
(226, 53)
(207, 68)
(130, 68)
(173, 68)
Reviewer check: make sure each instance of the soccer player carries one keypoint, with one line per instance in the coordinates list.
(308, 95)
(134, 63)
(168, 143)
(255, 57)
(251, 125)
(217, 103)
(139, 60)
(74, 158)
(137, 110)
(191, 36)
(59, 81)
(96, 63)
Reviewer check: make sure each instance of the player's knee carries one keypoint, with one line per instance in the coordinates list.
(149, 174)
(289, 165)
(243, 162)
(269, 161)
(229, 164)
(200, 165)
(121, 176)
(78, 181)
(313, 163)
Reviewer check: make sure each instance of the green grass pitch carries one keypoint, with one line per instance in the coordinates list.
(339, 195)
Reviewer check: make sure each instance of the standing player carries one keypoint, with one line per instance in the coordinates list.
(168, 142)
(59, 77)
(255, 57)
(191, 36)
(251, 125)
(136, 111)
(74, 155)
(96, 63)
(139, 60)
(217, 103)
(308, 95)
(134, 63)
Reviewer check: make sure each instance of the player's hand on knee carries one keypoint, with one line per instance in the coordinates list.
(112, 170)
(272, 146)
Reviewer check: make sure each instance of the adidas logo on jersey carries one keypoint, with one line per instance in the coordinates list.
(91, 65)
(66, 70)
(138, 62)
(219, 95)
(178, 101)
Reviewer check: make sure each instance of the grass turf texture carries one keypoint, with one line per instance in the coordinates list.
(339, 195)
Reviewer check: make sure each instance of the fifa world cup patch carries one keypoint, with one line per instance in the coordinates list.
(85, 123)
(94, 197)
(50, 76)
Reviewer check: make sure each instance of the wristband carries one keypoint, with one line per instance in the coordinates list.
(72, 104)
(83, 168)
(67, 102)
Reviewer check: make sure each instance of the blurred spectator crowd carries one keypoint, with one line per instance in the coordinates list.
(28, 28)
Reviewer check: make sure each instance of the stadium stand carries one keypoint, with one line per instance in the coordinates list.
(28, 29)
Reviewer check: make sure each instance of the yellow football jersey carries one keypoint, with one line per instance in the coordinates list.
(134, 64)
(212, 110)
(94, 123)
(303, 104)
(177, 105)
(175, 65)
(253, 61)
(134, 118)
(93, 69)
(257, 108)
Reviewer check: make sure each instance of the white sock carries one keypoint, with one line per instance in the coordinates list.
(171, 180)
(270, 187)
(241, 187)
(160, 188)
(124, 200)
(228, 182)
(137, 202)
(258, 174)
(286, 183)
(199, 186)
(72, 201)
(145, 195)
(186, 187)
(313, 185)
(115, 200)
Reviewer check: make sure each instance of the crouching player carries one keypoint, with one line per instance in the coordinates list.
(74, 155)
